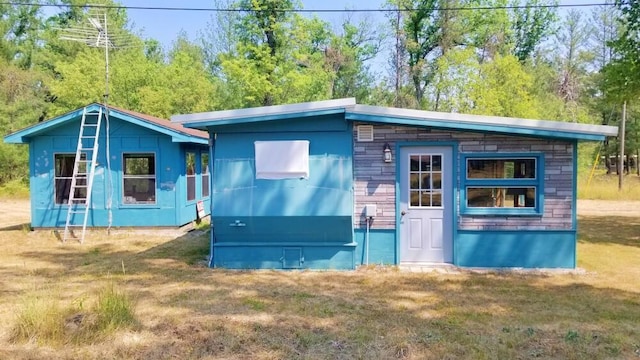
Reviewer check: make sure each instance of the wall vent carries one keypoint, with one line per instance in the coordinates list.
(365, 132)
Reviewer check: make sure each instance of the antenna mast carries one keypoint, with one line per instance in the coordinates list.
(94, 32)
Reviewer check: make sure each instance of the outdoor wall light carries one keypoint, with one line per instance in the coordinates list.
(387, 153)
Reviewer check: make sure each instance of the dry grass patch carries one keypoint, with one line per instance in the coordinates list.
(605, 187)
(182, 309)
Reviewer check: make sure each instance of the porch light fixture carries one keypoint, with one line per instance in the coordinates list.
(387, 153)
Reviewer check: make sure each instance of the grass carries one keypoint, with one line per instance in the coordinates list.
(45, 318)
(15, 189)
(147, 296)
(605, 187)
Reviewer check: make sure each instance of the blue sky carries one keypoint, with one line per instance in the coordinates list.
(164, 25)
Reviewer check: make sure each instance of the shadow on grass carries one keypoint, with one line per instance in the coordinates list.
(24, 226)
(610, 229)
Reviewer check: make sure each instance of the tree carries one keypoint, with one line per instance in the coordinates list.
(533, 21)
(504, 88)
(279, 57)
(346, 58)
(623, 73)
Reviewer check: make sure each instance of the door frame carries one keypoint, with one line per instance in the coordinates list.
(454, 190)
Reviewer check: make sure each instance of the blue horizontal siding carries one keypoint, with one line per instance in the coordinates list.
(263, 256)
(277, 229)
(525, 248)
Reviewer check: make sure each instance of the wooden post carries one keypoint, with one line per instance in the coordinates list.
(621, 137)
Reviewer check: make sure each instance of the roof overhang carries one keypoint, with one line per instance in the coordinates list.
(22, 136)
(263, 113)
(479, 123)
(397, 116)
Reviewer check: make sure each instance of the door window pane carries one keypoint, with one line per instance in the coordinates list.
(425, 176)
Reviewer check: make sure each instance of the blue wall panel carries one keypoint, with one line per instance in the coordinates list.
(382, 246)
(314, 213)
(527, 249)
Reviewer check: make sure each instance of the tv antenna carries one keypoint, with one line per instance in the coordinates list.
(93, 31)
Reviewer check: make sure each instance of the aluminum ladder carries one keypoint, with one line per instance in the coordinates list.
(84, 168)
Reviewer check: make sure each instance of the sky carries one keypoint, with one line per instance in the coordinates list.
(164, 25)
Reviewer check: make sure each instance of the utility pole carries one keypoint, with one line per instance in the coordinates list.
(621, 137)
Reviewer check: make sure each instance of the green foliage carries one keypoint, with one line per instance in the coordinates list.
(624, 72)
(531, 25)
(504, 88)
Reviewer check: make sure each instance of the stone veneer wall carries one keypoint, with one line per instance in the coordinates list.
(375, 180)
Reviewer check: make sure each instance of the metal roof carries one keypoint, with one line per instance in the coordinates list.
(546, 128)
(263, 113)
(177, 132)
(398, 116)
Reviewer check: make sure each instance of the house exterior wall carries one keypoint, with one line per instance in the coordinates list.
(479, 240)
(169, 210)
(283, 223)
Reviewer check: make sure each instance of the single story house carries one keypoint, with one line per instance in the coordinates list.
(333, 184)
(149, 172)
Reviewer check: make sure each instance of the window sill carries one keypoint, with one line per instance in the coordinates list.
(510, 212)
(139, 206)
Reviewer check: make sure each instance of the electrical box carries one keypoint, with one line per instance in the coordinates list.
(370, 210)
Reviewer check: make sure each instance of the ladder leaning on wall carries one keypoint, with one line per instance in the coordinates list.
(84, 167)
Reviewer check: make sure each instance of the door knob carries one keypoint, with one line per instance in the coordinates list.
(403, 213)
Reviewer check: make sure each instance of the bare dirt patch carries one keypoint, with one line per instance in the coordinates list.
(14, 214)
(608, 208)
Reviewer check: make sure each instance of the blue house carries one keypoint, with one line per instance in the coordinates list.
(150, 172)
(333, 184)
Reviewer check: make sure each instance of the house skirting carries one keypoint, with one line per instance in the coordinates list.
(521, 248)
(481, 248)
(283, 255)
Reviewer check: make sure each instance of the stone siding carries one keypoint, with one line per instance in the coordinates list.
(375, 180)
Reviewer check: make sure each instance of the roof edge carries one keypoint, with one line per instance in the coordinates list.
(523, 123)
(264, 111)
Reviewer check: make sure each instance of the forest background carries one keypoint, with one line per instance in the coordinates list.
(529, 59)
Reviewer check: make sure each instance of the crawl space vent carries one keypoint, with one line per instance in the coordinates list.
(365, 132)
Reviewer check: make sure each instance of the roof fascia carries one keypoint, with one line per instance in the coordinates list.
(263, 113)
(21, 136)
(204, 125)
(536, 128)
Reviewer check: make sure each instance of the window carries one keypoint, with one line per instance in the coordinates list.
(64, 174)
(139, 178)
(204, 157)
(502, 184)
(191, 176)
(425, 181)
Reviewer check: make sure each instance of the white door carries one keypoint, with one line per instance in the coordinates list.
(426, 214)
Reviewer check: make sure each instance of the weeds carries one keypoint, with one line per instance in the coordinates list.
(43, 319)
(40, 320)
(114, 309)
